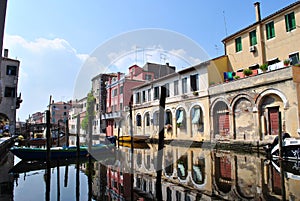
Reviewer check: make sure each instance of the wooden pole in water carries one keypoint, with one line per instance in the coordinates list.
(77, 135)
(162, 103)
(283, 194)
(78, 154)
(67, 133)
(48, 137)
(132, 150)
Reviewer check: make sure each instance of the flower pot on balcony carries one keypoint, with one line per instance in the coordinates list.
(286, 62)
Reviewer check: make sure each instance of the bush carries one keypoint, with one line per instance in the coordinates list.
(263, 67)
(247, 72)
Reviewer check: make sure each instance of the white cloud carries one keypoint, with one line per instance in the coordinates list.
(47, 67)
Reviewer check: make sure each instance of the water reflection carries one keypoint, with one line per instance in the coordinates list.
(193, 174)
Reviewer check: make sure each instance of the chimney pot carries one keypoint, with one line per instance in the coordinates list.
(257, 11)
(6, 53)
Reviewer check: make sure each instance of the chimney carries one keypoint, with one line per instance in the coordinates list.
(257, 11)
(5, 53)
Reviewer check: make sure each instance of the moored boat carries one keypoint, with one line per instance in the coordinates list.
(135, 138)
(290, 148)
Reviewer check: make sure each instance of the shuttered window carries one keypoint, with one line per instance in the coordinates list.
(252, 36)
(270, 30)
(238, 44)
(290, 22)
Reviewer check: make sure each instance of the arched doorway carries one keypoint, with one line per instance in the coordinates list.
(221, 123)
(243, 119)
(270, 107)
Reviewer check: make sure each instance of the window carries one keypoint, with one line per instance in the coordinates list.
(184, 85)
(270, 30)
(194, 82)
(11, 70)
(148, 77)
(65, 113)
(144, 96)
(252, 36)
(121, 106)
(114, 92)
(167, 86)
(294, 58)
(155, 118)
(156, 93)
(10, 92)
(290, 22)
(121, 89)
(137, 97)
(147, 119)
(149, 94)
(138, 120)
(176, 92)
(238, 44)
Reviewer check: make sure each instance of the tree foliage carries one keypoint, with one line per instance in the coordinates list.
(89, 110)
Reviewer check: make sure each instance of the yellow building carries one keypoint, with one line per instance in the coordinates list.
(255, 108)
(269, 40)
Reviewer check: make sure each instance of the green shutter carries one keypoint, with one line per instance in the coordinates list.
(270, 30)
(290, 22)
(253, 40)
(238, 44)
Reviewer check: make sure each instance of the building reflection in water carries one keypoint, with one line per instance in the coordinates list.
(6, 180)
(200, 174)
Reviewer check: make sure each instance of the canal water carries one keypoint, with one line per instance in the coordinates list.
(188, 174)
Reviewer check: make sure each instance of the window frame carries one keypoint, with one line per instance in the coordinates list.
(176, 87)
(270, 30)
(238, 44)
(184, 85)
(290, 21)
(253, 38)
(11, 70)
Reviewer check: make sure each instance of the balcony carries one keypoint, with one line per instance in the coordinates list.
(268, 78)
(112, 115)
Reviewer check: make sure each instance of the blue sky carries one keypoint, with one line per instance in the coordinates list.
(53, 38)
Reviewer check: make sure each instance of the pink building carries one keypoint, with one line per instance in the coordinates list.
(59, 112)
(119, 95)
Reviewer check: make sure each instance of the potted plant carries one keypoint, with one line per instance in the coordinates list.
(263, 67)
(195, 93)
(236, 77)
(286, 62)
(247, 72)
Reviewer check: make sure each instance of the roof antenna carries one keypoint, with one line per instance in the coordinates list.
(225, 23)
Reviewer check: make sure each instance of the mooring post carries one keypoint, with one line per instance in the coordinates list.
(161, 142)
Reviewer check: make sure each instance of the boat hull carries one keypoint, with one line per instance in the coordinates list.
(135, 138)
(290, 149)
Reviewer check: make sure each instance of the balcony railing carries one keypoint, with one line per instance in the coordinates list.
(112, 115)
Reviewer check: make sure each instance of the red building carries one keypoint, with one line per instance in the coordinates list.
(119, 95)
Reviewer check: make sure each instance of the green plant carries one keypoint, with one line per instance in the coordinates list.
(286, 62)
(263, 67)
(236, 77)
(297, 65)
(247, 72)
(195, 93)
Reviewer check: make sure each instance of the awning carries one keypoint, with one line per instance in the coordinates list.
(196, 116)
(180, 116)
